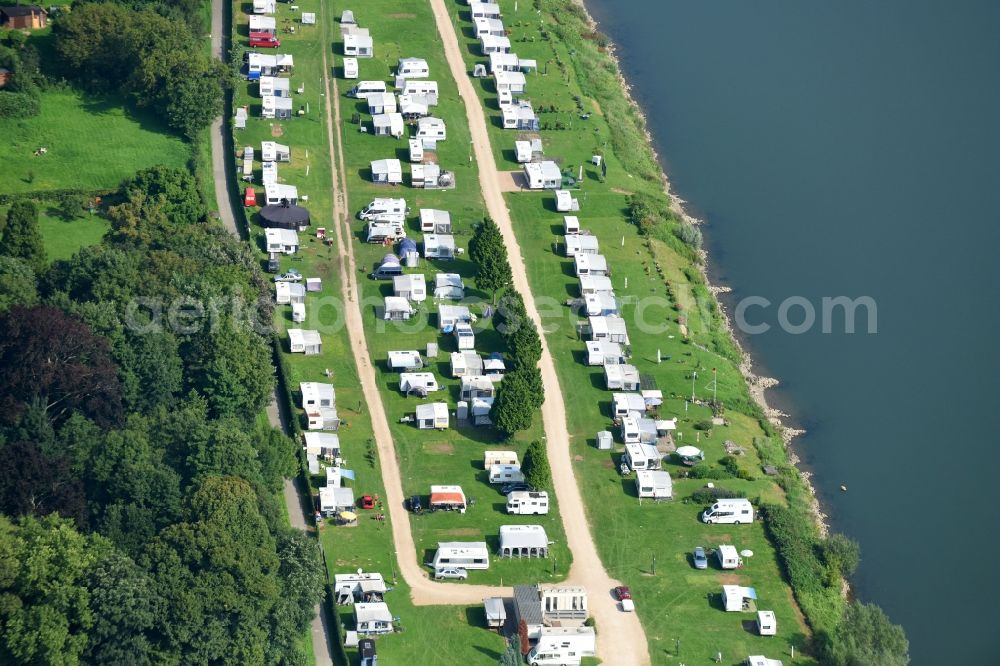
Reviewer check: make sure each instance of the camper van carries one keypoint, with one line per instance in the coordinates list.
(562, 646)
(365, 88)
(528, 503)
(381, 207)
(506, 474)
(734, 511)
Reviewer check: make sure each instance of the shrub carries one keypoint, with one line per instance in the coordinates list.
(690, 234)
(703, 425)
(711, 495)
(18, 105)
(840, 553)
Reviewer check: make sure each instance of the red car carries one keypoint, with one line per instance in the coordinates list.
(249, 197)
(264, 40)
(367, 502)
(623, 593)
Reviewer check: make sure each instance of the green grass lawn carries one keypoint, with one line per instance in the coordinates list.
(64, 237)
(93, 143)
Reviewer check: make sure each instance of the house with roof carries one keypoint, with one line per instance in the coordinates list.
(449, 286)
(23, 17)
(388, 124)
(431, 416)
(388, 172)
(523, 541)
(622, 377)
(282, 241)
(302, 341)
(522, 117)
(542, 175)
(412, 287)
(412, 68)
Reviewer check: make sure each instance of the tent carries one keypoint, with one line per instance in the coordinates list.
(284, 217)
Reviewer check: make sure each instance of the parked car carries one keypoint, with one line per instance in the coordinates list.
(273, 263)
(455, 573)
(291, 275)
(700, 560)
(513, 487)
(366, 502)
(414, 504)
(624, 595)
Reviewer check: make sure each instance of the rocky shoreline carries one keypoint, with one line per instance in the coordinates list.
(756, 384)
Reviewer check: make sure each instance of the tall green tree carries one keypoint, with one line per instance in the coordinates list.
(537, 471)
(867, 637)
(514, 407)
(125, 605)
(489, 253)
(18, 284)
(21, 238)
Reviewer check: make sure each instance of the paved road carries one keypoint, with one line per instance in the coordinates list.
(621, 639)
(294, 497)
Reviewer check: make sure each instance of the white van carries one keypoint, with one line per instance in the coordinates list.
(365, 88)
(528, 503)
(731, 511)
(381, 207)
(563, 646)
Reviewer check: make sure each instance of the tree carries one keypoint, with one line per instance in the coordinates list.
(522, 633)
(866, 637)
(20, 237)
(193, 95)
(125, 606)
(841, 554)
(54, 361)
(276, 453)
(45, 617)
(489, 253)
(513, 408)
(176, 190)
(231, 366)
(18, 285)
(511, 655)
(33, 483)
(537, 472)
(523, 342)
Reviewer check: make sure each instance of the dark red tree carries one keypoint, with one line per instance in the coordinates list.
(53, 361)
(32, 483)
(522, 632)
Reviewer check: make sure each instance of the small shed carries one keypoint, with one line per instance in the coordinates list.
(604, 440)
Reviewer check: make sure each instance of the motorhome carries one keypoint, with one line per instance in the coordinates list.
(379, 208)
(528, 502)
(506, 474)
(734, 511)
(365, 88)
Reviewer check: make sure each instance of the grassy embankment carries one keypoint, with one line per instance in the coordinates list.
(678, 600)
(369, 545)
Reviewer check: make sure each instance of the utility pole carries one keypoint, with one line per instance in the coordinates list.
(694, 376)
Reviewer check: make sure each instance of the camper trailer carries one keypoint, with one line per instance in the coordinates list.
(563, 646)
(766, 624)
(464, 554)
(500, 474)
(734, 511)
(366, 88)
(528, 502)
(654, 484)
(728, 557)
(491, 458)
(350, 68)
(447, 498)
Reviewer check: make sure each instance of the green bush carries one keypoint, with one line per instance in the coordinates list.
(18, 105)
(711, 495)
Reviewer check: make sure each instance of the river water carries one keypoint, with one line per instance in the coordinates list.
(851, 149)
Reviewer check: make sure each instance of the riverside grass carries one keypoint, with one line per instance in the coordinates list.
(577, 76)
(424, 456)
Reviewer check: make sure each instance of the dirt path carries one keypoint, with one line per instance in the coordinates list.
(292, 491)
(621, 639)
